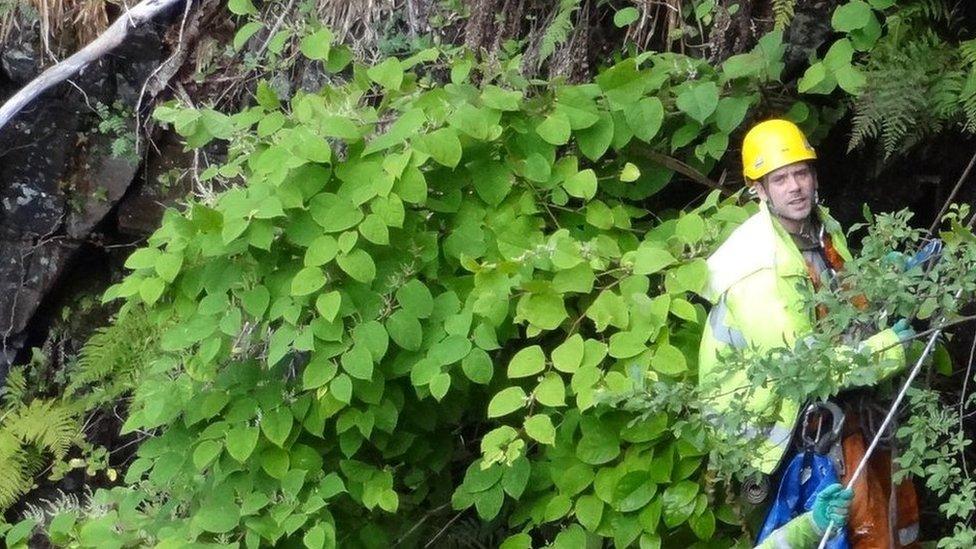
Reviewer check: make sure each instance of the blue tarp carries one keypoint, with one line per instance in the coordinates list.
(807, 473)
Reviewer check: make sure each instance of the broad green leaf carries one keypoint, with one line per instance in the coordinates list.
(442, 145)
(241, 441)
(206, 452)
(851, 16)
(528, 361)
(540, 428)
(217, 515)
(168, 265)
(449, 350)
(551, 391)
(478, 366)
(699, 101)
(388, 74)
(358, 362)
(405, 330)
(358, 264)
(581, 185)
(645, 118)
(627, 344)
(151, 289)
(554, 129)
(322, 250)
(245, 33)
(633, 491)
(589, 511)
(241, 7)
(568, 356)
(814, 75)
(649, 259)
(307, 281)
(328, 304)
(595, 140)
(630, 173)
(276, 425)
(669, 360)
(415, 298)
(506, 401)
(501, 99)
(545, 311)
(334, 213)
(622, 18)
(439, 385)
(731, 111)
(316, 45)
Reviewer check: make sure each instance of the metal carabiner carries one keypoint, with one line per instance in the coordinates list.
(822, 441)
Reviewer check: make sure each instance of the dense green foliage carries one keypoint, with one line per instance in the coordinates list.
(434, 289)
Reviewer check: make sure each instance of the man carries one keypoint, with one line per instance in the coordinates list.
(756, 283)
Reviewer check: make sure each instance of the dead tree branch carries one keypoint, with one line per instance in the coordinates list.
(113, 36)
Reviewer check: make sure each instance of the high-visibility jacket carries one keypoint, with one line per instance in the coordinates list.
(755, 282)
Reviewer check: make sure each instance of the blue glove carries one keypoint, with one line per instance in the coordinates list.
(832, 506)
(903, 329)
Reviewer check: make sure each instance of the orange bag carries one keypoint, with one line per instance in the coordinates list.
(868, 523)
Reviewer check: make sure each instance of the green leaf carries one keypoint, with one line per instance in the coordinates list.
(649, 259)
(449, 350)
(813, 77)
(168, 265)
(358, 264)
(528, 361)
(551, 391)
(405, 330)
(731, 111)
(415, 298)
(442, 145)
(633, 491)
(373, 228)
(151, 289)
(598, 445)
(241, 441)
(307, 281)
(276, 425)
(328, 304)
(241, 7)
(388, 74)
(206, 452)
(358, 362)
(568, 356)
(699, 101)
(581, 184)
(316, 45)
(540, 428)
(595, 140)
(516, 477)
(623, 18)
(669, 360)
(439, 385)
(589, 511)
(850, 79)
(506, 401)
(554, 129)
(645, 118)
(478, 366)
(537, 168)
(334, 213)
(851, 16)
(545, 311)
(217, 515)
(501, 99)
(245, 33)
(630, 173)
(255, 301)
(690, 228)
(627, 344)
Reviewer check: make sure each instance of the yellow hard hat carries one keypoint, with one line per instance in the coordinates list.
(772, 144)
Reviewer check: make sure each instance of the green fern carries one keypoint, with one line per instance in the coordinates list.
(783, 11)
(112, 356)
(27, 433)
(558, 30)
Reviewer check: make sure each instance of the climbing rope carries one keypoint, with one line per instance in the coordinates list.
(893, 409)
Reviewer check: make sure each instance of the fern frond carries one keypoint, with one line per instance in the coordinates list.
(15, 388)
(558, 30)
(115, 352)
(44, 424)
(14, 480)
(783, 12)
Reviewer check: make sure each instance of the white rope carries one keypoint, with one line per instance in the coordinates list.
(888, 418)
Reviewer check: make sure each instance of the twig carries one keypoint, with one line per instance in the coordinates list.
(108, 40)
(420, 522)
(442, 530)
(274, 28)
(955, 190)
(962, 396)
(676, 165)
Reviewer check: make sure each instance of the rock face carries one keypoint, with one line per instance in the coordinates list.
(59, 178)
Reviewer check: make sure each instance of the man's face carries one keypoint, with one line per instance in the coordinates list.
(789, 191)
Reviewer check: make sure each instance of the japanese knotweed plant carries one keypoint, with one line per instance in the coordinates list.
(416, 300)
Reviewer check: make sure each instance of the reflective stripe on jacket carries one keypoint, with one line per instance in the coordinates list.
(755, 283)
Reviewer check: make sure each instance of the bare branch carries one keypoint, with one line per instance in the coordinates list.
(108, 40)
